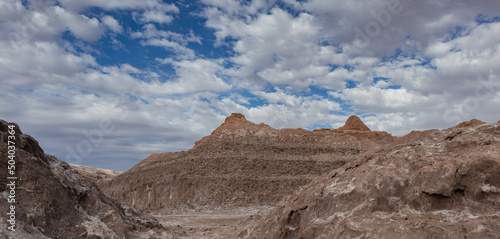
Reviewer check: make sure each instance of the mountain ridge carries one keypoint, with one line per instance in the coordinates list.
(227, 167)
(349, 182)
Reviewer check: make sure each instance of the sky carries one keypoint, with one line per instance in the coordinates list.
(107, 83)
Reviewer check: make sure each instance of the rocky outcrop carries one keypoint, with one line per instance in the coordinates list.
(54, 201)
(96, 175)
(354, 123)
(431, 184)
(239, 164)
(470, 123)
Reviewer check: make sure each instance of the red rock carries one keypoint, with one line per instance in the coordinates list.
(354, 123)
(470, 123)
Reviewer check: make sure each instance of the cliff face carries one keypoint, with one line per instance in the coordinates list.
(431, 184)
(54, 201)
(239, 164)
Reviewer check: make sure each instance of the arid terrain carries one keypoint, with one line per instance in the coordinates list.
(249, 180)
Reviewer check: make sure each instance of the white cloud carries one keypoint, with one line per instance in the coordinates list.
(372, 99)
(156, 16)
(437, 63)
(81, 26)
(112, 23)
(180, 50)
(473, 54)
(287, 112)
(425, 21)
(119, 4)
(277, 48)
(47, 22)
(241, 8)
(149, 10)
(28, 65)
(193, 76)
(171, 41)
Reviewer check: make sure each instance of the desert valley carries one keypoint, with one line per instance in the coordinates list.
(249, 180)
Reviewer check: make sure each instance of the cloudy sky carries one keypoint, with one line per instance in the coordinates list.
(106, 83)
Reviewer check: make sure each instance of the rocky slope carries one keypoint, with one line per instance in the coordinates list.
(54, 201)
(430, 184)
(241, 164)
(96, 175)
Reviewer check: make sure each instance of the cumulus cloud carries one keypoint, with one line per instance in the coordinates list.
(156, 16)
(399, 64)
(43, 21)
(119, 4)
(277, 48)
(145, 11)
(193, 76)
(170, 41)
(112, 23)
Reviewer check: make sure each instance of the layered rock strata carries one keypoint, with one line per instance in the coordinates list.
(430, 184)
(239, 164)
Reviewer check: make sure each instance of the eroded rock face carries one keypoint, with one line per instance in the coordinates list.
(354, 123)
(54, 201)
(469, 123)
(431, 184)
(239, 164)
(97, 175)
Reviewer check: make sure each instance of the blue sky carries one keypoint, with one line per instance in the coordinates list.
(106, 83)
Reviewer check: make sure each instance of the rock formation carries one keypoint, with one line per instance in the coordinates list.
(354, 123)
(327, 183)
(469, 123)
(54, 201)
(431, 184)
(239, 164)
(96, 175)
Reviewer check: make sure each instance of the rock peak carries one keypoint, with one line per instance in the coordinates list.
(354, 123)
(470, 123)
(236, 117)
(235, 121)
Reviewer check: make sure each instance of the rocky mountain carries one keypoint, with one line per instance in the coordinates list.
(96, 175)
(349, 182)
(241, 164)
(430, 184)
(53, 201)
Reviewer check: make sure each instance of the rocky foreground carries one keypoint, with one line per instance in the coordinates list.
(431, 184)
(249, 180)
(54, 201)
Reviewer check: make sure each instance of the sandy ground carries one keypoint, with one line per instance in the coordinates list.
(207, 224)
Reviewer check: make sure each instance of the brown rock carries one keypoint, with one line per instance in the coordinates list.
(239, 164)
(94, 174)
(354, 123)
(429, 184)
(470, 123)
(54, 201)
(423, 185)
